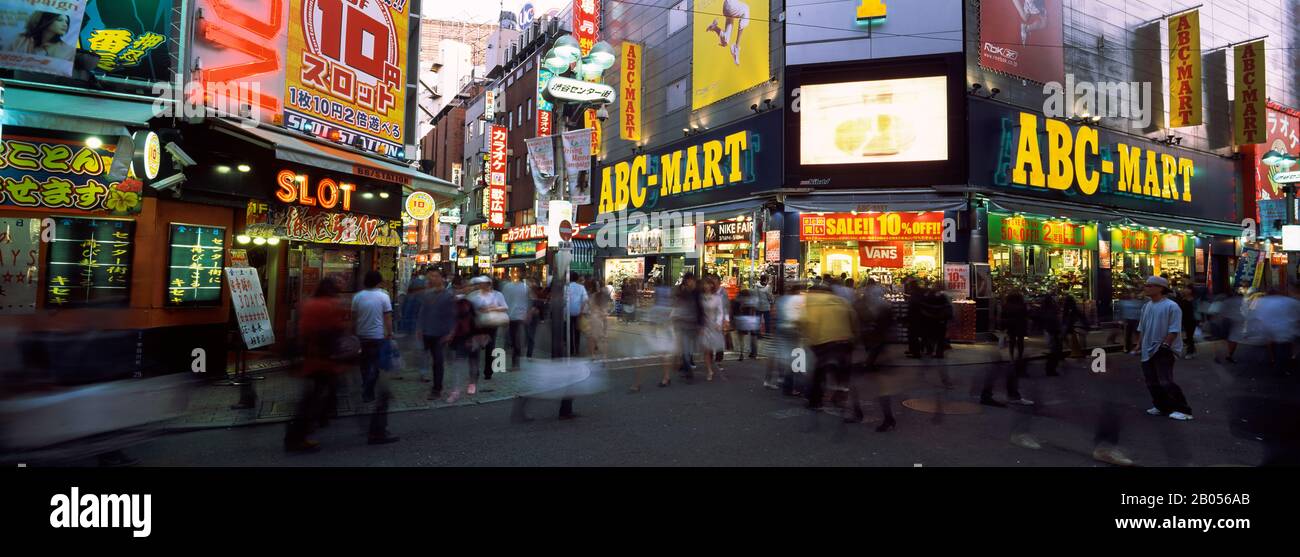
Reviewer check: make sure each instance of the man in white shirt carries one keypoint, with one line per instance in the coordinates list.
(575, 295)
(372, 318)
(1274, 320)
(516, 296)
(1158, 336)
(485, 300)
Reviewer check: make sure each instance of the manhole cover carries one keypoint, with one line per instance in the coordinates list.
(950, 407)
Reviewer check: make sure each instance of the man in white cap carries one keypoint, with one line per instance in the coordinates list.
(1158, 336)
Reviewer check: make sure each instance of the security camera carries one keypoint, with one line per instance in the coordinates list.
(182, 158)
(172, 182)
(602, 114)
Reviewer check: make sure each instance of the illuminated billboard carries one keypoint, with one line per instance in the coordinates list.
(892, 120)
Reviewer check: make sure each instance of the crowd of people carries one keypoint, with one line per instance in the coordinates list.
(818, 328)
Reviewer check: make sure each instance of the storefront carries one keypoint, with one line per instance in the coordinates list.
(1144, 252)
(102, 277)
(654, 205)
(890, 247)
(1102, 209)
(732, 254)
(521, 253)
(1034, 255)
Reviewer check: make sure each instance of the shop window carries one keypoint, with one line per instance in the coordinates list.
(676, 92)
(891, 263)
(677, 17)
(89, 263)
(194, 269)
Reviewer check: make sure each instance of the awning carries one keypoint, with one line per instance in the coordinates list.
(830, 202)
(51, 108)
(518, 261)
(1052, 209)
(717, 211)
(301, 149)
(1200, 226)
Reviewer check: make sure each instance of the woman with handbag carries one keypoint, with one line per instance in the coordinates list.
(711, 336)
(490, 313)
(595, 326)
(322, 328)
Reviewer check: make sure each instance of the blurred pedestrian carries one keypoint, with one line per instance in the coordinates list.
(688, 319)
(916, 320)
(1049, 320)
(575, 296)
(1231, 315)
(372, 320)
(539, 300)
(1074, 325)
(828, 325)
(763, 301)
(1275, 319)
(711, 327)
(875, 317)
(661, 340)
(519, 305)
(1015, 321)
(789, 313)
(491, 313)
(595, 324)
(322, 327)
(1129, 310)
(722, 318)
(1187, 304)
(436, 324)
(745, 316)
(1158, 332)
(938, 311)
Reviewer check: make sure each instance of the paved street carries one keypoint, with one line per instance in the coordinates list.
(738, 423)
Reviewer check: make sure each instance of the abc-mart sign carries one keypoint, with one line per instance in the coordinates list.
(563, 89)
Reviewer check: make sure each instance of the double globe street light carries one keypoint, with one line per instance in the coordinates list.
(574, 88)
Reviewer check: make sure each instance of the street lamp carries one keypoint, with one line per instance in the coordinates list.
(567, 63)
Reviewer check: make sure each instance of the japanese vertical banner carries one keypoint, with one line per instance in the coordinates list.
(1248, 109)
(545, 125)
(497, 178)
(630, 84)
(586, 23)
(1185, 70)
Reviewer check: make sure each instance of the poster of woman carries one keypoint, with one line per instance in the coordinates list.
(39, 37)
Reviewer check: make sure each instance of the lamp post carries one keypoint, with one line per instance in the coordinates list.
(1284, 161)
(565, 60)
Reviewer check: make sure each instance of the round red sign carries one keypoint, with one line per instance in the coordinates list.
(566, 230)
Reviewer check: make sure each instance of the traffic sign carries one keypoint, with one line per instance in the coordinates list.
(566, 230)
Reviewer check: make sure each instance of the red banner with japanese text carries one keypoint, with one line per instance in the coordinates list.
(496, 208)
(586, 23)
(871, 227)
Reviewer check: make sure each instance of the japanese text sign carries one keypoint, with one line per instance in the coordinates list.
(63, 174)
(871, 226)
(194, 269)
(250, 307)
(496, 209)
(89, 263)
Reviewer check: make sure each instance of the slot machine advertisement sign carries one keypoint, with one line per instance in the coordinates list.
(345, 71)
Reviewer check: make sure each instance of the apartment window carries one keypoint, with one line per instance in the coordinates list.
(531, 111)
(521, 113)
(676, 92)
(677, 17)
(511, 124)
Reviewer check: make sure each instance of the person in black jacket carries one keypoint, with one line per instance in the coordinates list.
(1015, 321)
(1049, 320)
(915, 318)
(1075, 326)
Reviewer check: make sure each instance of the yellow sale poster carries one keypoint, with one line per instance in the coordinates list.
(345, 75)
(730, 52)
(1185, 70)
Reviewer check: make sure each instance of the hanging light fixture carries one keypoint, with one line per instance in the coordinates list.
(243, 239)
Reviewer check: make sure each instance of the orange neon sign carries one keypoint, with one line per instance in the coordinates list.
(293, 188)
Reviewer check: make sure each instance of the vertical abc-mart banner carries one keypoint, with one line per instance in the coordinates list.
(40, 36)
(1023, 38)
(346, 71)
(730, 49)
